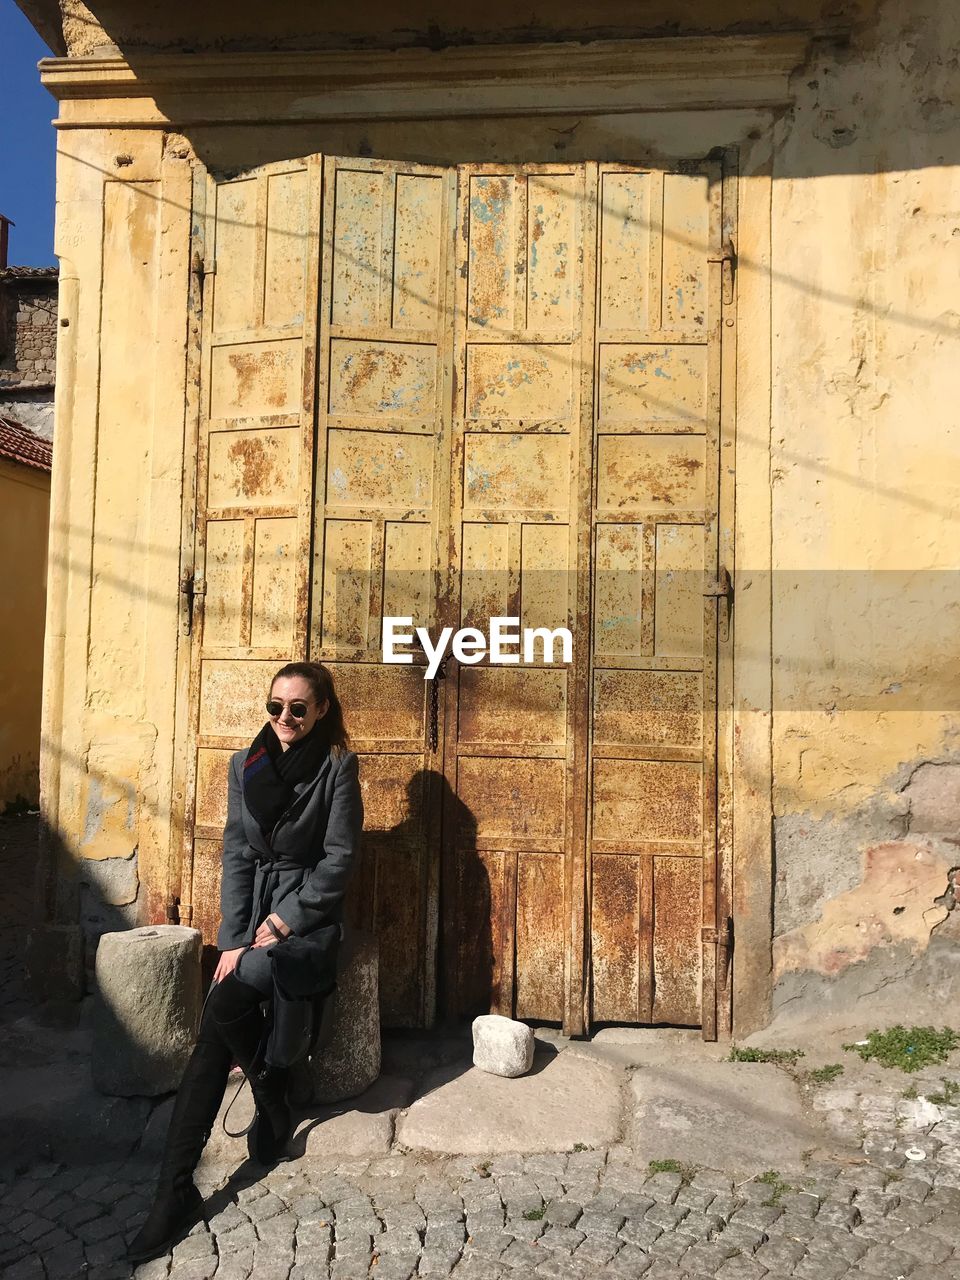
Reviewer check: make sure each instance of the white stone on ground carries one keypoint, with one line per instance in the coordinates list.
(565, 1101)
(501, 1046)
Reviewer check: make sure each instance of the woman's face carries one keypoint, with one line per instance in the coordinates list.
(296, 695)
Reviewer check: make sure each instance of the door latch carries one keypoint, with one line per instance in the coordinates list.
(722, 590)
(434, 695)
(728, 265)
(191, 590)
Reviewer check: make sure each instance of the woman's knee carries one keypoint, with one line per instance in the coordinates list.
(228, 1000)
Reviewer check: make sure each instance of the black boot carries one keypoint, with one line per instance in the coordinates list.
(178, 1205)
(273, 1124)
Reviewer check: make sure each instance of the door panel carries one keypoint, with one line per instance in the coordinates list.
(260, 242)
(652, 840)
(382, 455)
(514, 503)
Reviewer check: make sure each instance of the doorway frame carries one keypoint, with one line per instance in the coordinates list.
(733, 74)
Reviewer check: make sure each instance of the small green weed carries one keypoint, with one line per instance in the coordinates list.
(911, 1092)
(580, 1146)
(534, 1215)
(686, 1171)
(825, 1075)
(947, 1096)
(741, 1054)
(910, 1049)
(778, 1188)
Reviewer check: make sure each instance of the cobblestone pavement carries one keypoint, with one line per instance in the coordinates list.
(879, 1214)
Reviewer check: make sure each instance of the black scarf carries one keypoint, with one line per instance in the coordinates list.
(270, 773)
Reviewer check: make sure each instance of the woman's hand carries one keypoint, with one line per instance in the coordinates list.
(265, 937)
(227, 963)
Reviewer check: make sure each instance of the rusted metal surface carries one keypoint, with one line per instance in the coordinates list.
(476, 978)
(640, 801)
(515, 486)
(504, 705)
(677, 895)
(621, 986)
(650, 473)
(540, 979)
(648, 708)
(652, 387)
(206, 889)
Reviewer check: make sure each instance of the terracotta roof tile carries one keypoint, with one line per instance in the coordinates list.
(20, 444)
(29, 273)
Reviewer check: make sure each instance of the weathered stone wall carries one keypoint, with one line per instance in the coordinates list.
(28, 344)
(29, 332)
(386, 24)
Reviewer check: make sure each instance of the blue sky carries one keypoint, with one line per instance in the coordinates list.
(27, 142)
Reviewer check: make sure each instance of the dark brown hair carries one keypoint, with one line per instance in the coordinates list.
(321, 685)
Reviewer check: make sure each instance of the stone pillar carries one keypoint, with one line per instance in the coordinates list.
(350, 1060)
(146, 1010)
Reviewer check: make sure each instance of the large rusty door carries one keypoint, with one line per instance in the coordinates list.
(257, 249)
(486, 392)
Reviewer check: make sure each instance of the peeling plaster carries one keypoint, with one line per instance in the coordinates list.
(114, 880)
(895, 902)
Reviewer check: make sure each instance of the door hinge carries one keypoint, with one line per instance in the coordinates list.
(722, 939)
(722, 590)
(191, 590)
(201, 268)
(728, 269)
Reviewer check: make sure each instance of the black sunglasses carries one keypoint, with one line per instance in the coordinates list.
(297, 709)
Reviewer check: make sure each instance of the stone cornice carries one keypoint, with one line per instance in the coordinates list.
(599, 77)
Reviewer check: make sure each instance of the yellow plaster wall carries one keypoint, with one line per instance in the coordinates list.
(24, 512)
(865, 465)
(853, 438)
(865, 478)
(122, 237)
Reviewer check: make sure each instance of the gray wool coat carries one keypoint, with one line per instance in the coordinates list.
(304, 877)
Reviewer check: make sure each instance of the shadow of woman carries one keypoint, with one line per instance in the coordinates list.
(423, 889)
